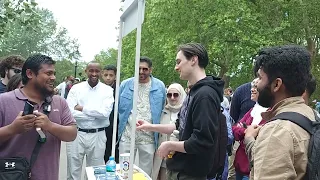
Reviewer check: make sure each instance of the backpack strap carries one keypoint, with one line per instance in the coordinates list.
(296, 118)
(35, 152)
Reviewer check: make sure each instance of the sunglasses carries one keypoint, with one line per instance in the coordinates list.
(17, 71)
(175, 95)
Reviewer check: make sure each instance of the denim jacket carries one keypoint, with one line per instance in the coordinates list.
(157, 102)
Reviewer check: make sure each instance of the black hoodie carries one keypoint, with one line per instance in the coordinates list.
(198, 123)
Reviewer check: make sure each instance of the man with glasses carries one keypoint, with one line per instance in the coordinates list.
(151, 100)
(9, 66)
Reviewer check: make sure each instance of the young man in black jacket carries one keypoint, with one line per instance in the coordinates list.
(198, 118)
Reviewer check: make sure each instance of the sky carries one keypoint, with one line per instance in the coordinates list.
(93, 22)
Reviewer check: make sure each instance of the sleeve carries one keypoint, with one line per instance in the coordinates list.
(205, 125)
(235, 105)
(238, 130)
(72, 102)
(274, 151)
(164, 96)
(66, 116)
(104, 110)
(249, 143)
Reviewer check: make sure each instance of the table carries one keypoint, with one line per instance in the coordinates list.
(91, 175)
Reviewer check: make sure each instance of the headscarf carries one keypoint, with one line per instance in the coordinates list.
(182, 96)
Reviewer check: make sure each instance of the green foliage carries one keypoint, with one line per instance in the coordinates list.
(232, 31)
(107, 57)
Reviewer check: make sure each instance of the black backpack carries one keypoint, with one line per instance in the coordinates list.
(220, 149)
(313, 128)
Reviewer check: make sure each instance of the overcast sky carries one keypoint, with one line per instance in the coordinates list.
(92, 22)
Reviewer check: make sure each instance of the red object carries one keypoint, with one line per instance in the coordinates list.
(241, 161)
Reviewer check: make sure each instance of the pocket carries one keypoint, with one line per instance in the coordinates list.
(125, 100)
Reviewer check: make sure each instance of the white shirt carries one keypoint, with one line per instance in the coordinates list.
(97, 103)
(62, 88)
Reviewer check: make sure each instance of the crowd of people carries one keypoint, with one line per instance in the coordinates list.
(219, 134)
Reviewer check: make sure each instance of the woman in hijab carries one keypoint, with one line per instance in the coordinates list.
(252, 117)
(175, 98)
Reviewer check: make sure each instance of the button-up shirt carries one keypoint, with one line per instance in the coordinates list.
(97, 103)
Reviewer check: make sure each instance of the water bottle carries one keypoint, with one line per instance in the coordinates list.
(111, 169)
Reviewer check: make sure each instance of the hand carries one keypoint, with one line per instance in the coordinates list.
(252, 131)
(23, 123)
(143, 125)
(42, 121)
(78, 108)
(164, 149)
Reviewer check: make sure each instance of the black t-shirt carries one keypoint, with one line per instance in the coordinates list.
(3, 88)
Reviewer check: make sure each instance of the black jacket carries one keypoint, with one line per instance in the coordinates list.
(198, 123)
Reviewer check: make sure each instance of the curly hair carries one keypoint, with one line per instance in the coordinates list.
(291, 63)
(10, 61)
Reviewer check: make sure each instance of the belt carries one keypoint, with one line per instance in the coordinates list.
(92, 130)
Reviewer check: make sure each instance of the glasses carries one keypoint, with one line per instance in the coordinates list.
(175, 95)
(143, 69)
(17, 71)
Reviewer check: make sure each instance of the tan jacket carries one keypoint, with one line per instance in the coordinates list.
(280, 150)
(165, 119)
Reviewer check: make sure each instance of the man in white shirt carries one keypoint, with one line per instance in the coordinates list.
(91, 103)
(61, 88)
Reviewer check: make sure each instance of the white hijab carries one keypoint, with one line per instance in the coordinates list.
(182, 96)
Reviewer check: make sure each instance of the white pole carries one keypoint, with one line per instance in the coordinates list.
(135, 92)
(116, 103)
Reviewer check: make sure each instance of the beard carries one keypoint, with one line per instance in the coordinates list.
(265, 98)
(43, 90)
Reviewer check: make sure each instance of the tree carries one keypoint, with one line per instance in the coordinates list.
(106, 57)
(44, 36)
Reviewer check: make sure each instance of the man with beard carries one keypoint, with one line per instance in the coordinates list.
(151, 101)
(109, 77)
(18, 135)
(91, 103)
(9, 67)
(280, 151)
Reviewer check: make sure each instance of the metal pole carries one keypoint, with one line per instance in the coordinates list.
(136, 85)
(116, 103)
(75, 69)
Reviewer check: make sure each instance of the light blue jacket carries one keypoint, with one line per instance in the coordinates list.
(157, 101)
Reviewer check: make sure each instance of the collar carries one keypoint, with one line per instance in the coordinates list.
(152, 88)
(281, 106)
(95, 87)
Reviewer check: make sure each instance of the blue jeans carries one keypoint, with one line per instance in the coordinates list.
(240, 176)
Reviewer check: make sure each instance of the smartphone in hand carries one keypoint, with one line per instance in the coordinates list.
(28, 108)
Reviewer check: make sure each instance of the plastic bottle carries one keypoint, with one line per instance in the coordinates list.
(111, 169)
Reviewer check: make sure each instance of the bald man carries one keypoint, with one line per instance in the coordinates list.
(91, 103)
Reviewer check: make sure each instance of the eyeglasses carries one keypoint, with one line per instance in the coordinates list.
(175, 95)
(17, 71)
(143, 69)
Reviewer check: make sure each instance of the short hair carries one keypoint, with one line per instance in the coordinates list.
(34, 63)
(311, 86)
(146, 60)
(10, 61)
(291, 63)
(195, 49)
(111, 68)
(14, 82)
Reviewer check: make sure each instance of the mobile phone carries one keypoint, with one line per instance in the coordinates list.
(28, 108)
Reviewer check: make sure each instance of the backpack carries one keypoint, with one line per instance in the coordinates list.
(313, 128)
(220, 149)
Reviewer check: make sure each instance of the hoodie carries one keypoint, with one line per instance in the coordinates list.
(198, 123)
